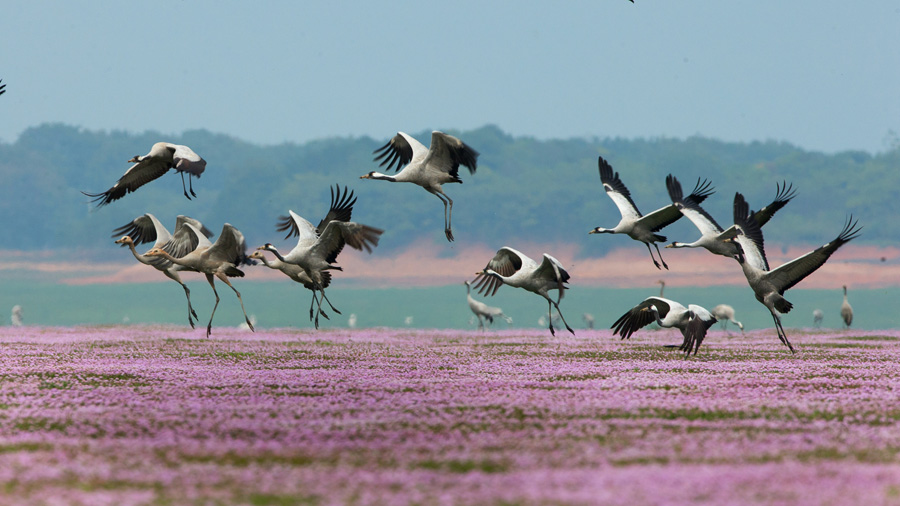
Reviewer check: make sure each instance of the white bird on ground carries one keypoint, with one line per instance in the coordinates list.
(427, 167)
(846, 310)
(162, 157)
(146, 228)
(712, 236)
(640, 227)
(16, 316)
(317, 248)
(217, 260)
(693, 321)
(513, 268)
(351, 321)
(588, 320)
(818, 316)
(482, 310)
(725, 313)
(770, 285)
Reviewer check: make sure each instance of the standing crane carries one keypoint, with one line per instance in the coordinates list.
(818, 316)
(515, 269)
(162, 157)
(317, 248)
(712, 237)
(846, 310)
(482, 310)
(640, 227)
(146, 228)
(725, 313)
(769, 285)
(693, 321)
(218, 260)
(427, 167)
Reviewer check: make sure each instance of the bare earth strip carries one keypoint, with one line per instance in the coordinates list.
(153, 415)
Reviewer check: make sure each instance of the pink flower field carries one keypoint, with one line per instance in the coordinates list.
(150, 415)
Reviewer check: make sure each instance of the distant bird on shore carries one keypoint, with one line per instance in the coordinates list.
(162, 157)
(712, 236)
(588, 320)
(219, 260)
(846, 310)
(640, 227)
(146, 228)
(16, 317)
(515, 269)
(818, 316)
(426, 167)
(482, 310)
(725, 313)
(693, 321)
(770, 285)
(317, 248)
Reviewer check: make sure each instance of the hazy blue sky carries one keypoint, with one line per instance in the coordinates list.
(822, 74)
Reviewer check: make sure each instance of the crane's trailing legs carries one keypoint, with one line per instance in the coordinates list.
(192, 315)
(654, 259)
(448, 211)
(781, 333)
(212, 283)
(550, 306)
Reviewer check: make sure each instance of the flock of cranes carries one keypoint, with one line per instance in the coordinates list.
(311, 261)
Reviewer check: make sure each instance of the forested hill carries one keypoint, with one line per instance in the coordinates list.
(525, 190)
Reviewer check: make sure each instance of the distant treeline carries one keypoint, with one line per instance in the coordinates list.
(525, 190)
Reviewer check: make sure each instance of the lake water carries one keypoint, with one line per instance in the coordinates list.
(286, 304)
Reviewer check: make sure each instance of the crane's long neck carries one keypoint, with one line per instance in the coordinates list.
(656, 315)
(169, 257)
(269, 247)
(140, 258)
(382, 177)
(845, 294)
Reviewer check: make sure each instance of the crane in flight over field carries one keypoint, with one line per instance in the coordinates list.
(427, 167)
(317, 248)
(712, 237)
(162, 157)
(217, 260)
(515, 269)
(146, 228)
(299, 275)
(640, 227)
(769, 285)
(693, 321)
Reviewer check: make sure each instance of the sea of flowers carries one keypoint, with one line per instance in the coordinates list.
(149, 415)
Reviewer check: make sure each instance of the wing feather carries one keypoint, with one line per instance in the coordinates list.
(791, 273)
